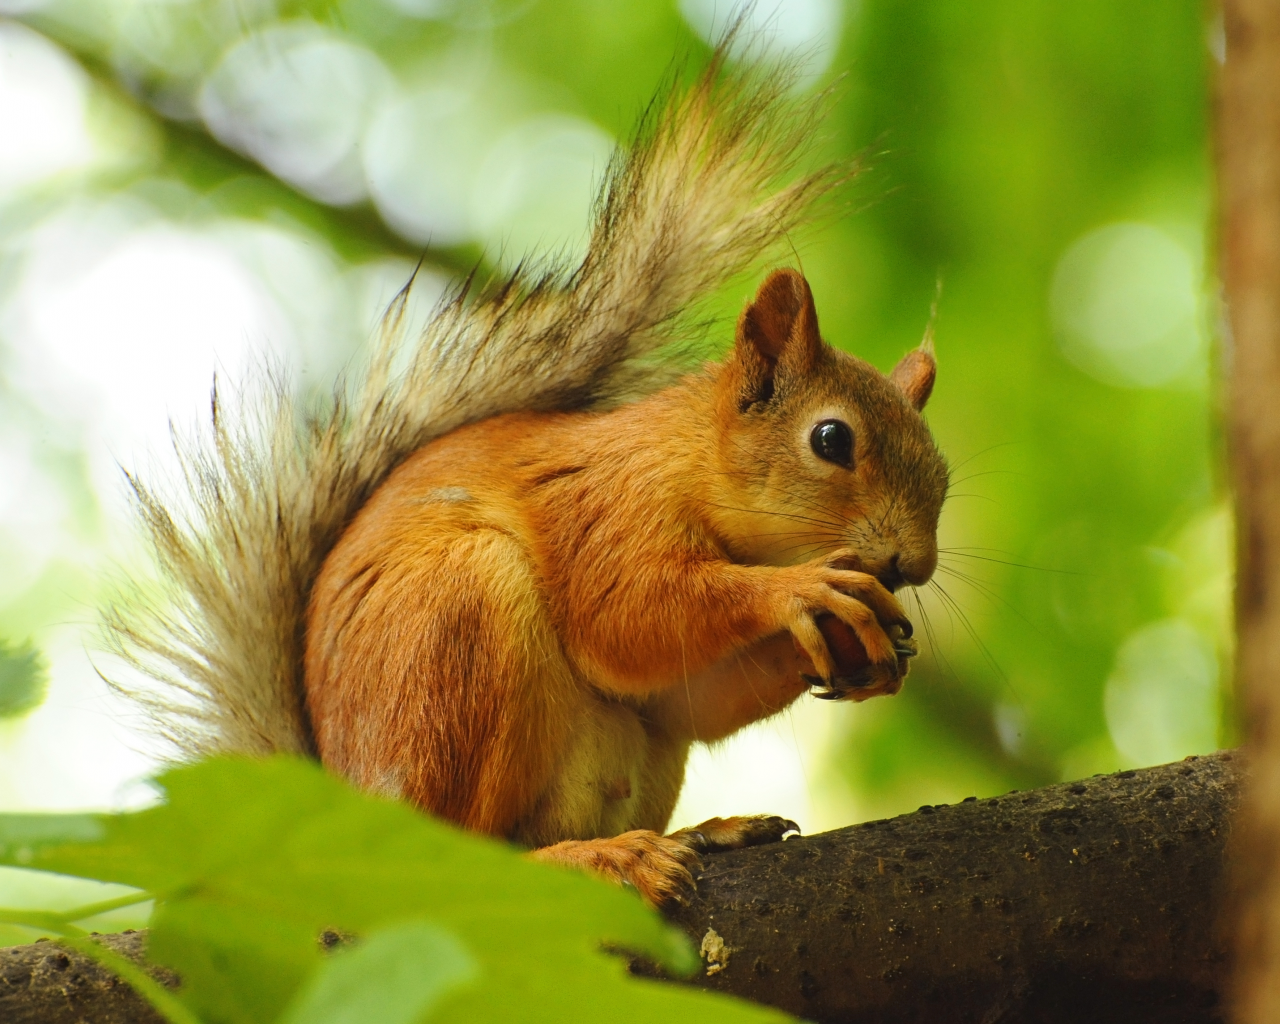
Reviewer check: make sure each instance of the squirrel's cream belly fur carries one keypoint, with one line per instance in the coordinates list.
(616, 775)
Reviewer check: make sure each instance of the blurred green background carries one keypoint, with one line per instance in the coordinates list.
(204, 183)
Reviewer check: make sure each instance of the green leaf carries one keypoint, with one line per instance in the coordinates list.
(237, 963)
(394, 977)
(24, 837)
(24, 680)
(250, 861)
(36, 904)
(18, 935)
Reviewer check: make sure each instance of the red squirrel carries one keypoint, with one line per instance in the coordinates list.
(512, 572)
(533, 618)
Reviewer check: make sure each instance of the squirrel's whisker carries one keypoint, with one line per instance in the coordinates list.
(954, 605)
(989, 592)
(985, 472)
(985, 451)
(936, 649)
(1017, 565)
(983, 497)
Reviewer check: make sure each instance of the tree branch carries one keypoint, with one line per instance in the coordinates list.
(1094, 900)
(45, 983)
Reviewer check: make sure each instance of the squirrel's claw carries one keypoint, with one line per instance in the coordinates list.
(718, 834)
(838, 687)
(863, 684)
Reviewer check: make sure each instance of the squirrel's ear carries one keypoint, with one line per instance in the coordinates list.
(777, 334)
(914, 374)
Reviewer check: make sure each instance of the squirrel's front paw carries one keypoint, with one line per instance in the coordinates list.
(660, 868)
(840, 615)
(856, 678)
(717, 834)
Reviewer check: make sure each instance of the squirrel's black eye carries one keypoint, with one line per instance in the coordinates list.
(832, 440)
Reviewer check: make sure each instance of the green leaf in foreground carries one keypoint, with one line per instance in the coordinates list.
(24, 680)
(393, 976)
(23, 837)
(250, 861)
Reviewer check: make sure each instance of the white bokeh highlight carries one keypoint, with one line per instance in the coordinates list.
(298, 99)
(117, 325)
(779, 766)
(83, 748)
(43, 93)
(422, 154)
(33, 515)
(113, 321)
(808, 30)
(535, 188)
(1124, 302)
(424, 10)
(1161, 699)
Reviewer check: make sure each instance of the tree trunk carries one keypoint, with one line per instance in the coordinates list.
(1249, 181)
(1091, 901)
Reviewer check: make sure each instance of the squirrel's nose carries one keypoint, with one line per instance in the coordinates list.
(890, 576)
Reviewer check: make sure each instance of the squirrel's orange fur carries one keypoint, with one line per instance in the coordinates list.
(530, 622)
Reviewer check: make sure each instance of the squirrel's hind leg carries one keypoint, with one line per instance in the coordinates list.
(661, 867)
(435, 674)
(658, 867)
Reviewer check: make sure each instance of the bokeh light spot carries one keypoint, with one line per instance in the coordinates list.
(805, 29)
(422, 154)
(116, 324)
(42, 109)
(298, 100)
(535, 187)
(1161, 700)
(32, 515)
(1124, 306)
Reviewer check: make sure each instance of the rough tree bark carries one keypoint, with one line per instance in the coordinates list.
(1091, 901)
(1249, 181)
(46, 984)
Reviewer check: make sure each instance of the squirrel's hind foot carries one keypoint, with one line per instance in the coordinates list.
(660, 868)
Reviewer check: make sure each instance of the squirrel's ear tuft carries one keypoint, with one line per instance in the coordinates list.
(914, 375)
(777, 334)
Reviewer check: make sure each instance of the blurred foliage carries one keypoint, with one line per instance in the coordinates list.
(1005, 136)
(24, 679)
(1088, 504)
(249, 863)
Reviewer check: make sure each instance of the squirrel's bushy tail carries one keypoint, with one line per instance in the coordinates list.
(692, 202)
